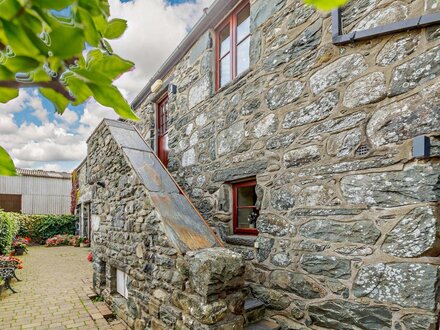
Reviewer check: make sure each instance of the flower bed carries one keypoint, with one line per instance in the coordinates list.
(72, 240)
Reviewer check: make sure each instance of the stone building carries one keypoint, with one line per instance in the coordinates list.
(308, 143)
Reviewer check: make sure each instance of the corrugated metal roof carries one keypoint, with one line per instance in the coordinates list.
(44, 174)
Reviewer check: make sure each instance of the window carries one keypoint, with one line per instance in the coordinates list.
(162, 130)
(245, 213)
(233, 43)
(121, 283)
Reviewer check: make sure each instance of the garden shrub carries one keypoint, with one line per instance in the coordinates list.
(8, 230)
(46, 226)
(41, 227)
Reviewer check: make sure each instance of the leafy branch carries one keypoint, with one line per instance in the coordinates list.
(54, 84)
(62, 47)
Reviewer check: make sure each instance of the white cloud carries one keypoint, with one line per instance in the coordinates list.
(17, 104)
(7, 124)
(53, 167)
(49, 150)
(94, 113)
(69, 116)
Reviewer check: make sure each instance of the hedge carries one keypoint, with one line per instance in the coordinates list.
(41, 227)
(8, 230)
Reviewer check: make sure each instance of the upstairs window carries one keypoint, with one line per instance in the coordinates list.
(233, 43)
(245, 212)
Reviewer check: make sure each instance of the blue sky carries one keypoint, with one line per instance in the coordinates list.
(37, 137)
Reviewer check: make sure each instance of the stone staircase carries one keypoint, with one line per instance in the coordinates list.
(254, 315)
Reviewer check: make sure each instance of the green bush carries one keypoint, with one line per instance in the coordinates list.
(8, 230)
(47, 226)
(41, 227)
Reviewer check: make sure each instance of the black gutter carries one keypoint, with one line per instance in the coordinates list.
(218, 10)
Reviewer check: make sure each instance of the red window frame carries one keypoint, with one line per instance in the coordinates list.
(162, 128)
(236, 207)
(232, 22)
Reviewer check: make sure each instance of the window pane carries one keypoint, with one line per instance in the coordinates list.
(243, 217)
(225, 70)
(225, 41)
(243, 56)
(246, 196)
(243, 24)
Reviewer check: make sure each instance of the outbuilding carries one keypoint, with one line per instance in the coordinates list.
(36, 192)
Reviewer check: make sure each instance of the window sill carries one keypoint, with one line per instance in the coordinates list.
(233, 82)
(243, 240)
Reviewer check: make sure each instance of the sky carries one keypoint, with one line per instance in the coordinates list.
(38, 138)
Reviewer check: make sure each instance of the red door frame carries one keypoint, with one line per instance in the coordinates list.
(232, 22)
(162, 129)
(235, 208)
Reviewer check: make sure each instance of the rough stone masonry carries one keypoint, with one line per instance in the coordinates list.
(349, 224)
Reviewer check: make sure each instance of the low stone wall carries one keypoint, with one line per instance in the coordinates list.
(165, 288)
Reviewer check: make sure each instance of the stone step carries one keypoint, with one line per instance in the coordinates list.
(254, 310)
(263, 325)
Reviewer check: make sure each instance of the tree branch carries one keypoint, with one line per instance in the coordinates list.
(54, 84)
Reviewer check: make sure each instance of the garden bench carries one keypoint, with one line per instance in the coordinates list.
(7, 272)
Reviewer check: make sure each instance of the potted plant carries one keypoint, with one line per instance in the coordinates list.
(19, 248)
(84, 242)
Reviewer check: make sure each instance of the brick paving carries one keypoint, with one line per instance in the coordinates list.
(53, 293)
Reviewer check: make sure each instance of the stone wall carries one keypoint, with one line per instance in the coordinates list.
(349, 221)
(167, 289)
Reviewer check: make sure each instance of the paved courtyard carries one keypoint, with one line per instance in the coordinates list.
(53, 293)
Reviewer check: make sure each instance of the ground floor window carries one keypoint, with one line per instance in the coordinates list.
(121, 283)
(245, 212)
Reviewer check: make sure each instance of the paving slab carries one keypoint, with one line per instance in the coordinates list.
(54, 292)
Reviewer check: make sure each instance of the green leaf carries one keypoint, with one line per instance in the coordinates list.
(9, 9)
(107, 46)
(40, 75)
(5, 74)
(90, 32)
(7, 166)
(112, 66)
(326, 5)
(51, 4)
(94, 55)
(58, 100)
(67, 41)
(21, 64)
(93, 77)
(115, 28)
(100, 23)
(7, 94)
(78, 88)
(19, 40)
(110, 96)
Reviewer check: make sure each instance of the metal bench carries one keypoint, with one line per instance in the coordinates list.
(7, 272)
